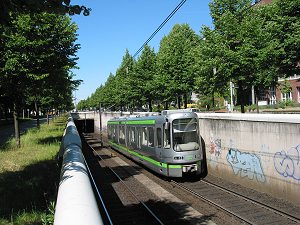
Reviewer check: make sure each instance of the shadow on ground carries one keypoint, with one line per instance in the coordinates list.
(50, 140)
(30, 189)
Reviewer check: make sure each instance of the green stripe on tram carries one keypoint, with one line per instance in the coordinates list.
(112, 122)
(148, 159)
(140, 122)
(133, 122)
(175, 166)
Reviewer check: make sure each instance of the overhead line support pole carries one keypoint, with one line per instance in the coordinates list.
(100, 121)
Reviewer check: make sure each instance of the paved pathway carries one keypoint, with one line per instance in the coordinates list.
(8, 131)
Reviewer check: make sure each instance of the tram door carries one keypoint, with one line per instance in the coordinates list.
(158, 144)
(138, 138)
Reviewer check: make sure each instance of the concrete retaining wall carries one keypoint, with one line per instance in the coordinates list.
(105, 116)
(260, 151)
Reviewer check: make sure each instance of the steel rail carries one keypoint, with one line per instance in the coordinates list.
(120, 179)
(273, 209)
(211, 202)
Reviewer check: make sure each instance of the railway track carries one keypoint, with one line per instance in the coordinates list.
(132, 210)
(235, 205)
(246, 209)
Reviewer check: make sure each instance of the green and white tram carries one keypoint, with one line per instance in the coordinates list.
(168, 144)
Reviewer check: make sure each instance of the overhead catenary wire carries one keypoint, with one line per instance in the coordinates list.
(160, 26)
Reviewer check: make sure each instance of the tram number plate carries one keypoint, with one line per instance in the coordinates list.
(189, 168)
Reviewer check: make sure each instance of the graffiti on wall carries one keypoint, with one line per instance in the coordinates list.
(287, 163)
(215, 147)
(245, 164)
(215, 150)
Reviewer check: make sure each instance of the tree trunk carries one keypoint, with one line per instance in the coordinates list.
(178, 102)
(166, 106)
(213, 100)
(185, 101)
(17, 126)
(53, 114)
(158, 107)
(48, 112)
(256, 90)
(240, 84)
(150, 105)
(37, 114)
(6, 114)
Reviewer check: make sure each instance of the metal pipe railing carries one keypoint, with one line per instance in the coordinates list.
(76, 203)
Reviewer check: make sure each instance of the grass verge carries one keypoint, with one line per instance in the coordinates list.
(29, 176)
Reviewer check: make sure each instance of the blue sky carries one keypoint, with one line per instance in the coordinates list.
(116, 25)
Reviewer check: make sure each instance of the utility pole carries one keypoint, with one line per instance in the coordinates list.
(231, 96)
(100, 119)
(84, 122)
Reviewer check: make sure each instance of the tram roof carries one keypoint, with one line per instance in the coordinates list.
(138, 120)
(151, 119)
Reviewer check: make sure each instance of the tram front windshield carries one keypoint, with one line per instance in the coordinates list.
(185, 135)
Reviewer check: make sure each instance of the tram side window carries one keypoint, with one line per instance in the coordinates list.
(128, 135)
(109, 133)
(134, 136)
(122, 135)
(151, 137)
(138, 137)
(144, 140)
(158, 137)
(167, 143)
(114, 133)
(131, 138)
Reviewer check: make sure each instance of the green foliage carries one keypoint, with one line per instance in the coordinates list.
(175, 62)
(285, 87)
(131, 87)
(287, 103)
(48, 218)
(282, 104)
(122, 89)
(142, 80)
(36, 6)
(38, 53)
(252, 108)
(236, 29)
(287, 23)
(248, 45)
(210, 66)
(205, 102)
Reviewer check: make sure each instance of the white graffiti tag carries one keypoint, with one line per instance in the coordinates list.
(288, 163)
(247, 164)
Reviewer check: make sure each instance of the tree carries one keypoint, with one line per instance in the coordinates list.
(108, 96)
(123, 94)
(259, 43)
(37, 6)
(211, 76)
(142, 79)
(239, 54)
(282, 22)
(285, 88)
(38, 52)
(174, 62)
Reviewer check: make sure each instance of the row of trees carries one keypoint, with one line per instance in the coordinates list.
(250, 45)
(38, 51)
(154, 78)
